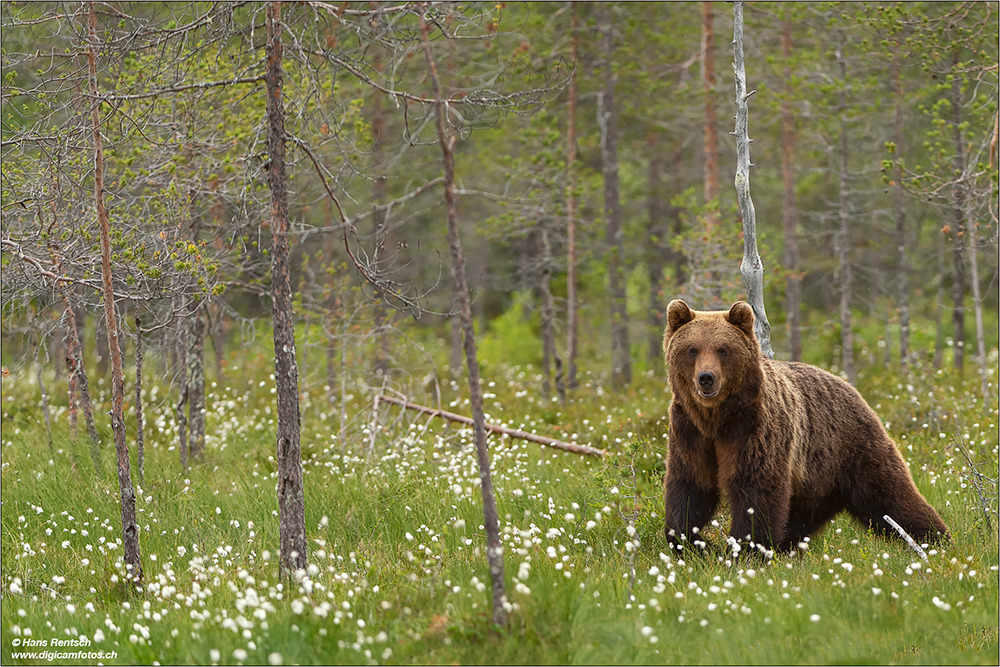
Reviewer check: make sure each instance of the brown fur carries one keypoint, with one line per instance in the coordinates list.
(790, 441)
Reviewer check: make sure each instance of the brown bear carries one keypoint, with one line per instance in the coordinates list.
(788, 443)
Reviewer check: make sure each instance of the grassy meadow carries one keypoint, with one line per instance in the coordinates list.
(397, 571)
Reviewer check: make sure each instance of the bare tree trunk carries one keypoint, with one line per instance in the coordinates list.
(455, 361)
(130, 530)
(196, 386)
(903, 296)
(843, 237)
(45, 396)
(380, 225)
(140, 441)
(958, 242)
(621, 359)
(332, 305)
(752, 268)
(182, 422)
(977, 306)
(571, 298)
(291, 499)
(549, 354)
(790, 209)
(939, 304)
(494, 547)
(711, 118)
(655, 239)
(77, 371)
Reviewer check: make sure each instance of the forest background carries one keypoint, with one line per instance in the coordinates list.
(149, 172)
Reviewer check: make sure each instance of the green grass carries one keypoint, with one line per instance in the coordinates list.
(396, 543)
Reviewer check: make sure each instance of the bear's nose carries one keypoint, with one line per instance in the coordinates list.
(706, 379)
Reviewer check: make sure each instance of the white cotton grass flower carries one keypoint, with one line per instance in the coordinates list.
(274, 658)
(814, 618)
(240, 654)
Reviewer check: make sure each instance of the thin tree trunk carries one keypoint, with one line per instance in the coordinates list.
(680, 261)
(655, 239)
(751, 268)
(380, 223)
(179, 410)
(958, 233)
(455, 361)
(843, 235)
(711, 168)
(621, 359)
(977, 306)
(140, 440)
(903, 270)
(939, 304)
(45, 397)
(571, 298)
(71, 380)
(291, 499)
(550, 356)
(130, 529)
(74, 364)
(332, 304)
(196, 386)
(790, 209)
(494, 547)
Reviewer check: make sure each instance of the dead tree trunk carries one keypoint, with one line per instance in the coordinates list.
(380, 221)
(494, 547)
(958, 233)
(790, 209)
(550, 356)
(79, 385)
(655, 260)
(183, 444)
(752, 268)
(140, 440)
(711, 168)
(903, 295)
(130, 529)
(571, 298)
(196, 386)
(621, 358)
(843, 236)
(291, 500)
(939, 303)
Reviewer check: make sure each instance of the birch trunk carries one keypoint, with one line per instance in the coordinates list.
(196, 387)
(621, 359)
(494, 546)
(291, 499)
(790, 210)
(711, 168)
(903, 297)
(843, 235)
(655, 235)
(130, 529)
(958, 242)
(571, 298)
(752, 268)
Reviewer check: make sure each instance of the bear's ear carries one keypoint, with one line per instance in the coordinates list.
(678, 314)
(741, 317)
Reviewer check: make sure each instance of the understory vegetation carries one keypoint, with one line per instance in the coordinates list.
(397, 572)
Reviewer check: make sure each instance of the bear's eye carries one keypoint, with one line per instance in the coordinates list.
(693, 351)
(722, 351)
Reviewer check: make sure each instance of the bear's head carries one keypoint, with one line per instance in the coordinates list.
(712, 355)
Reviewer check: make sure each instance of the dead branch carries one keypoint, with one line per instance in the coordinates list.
(495, 428)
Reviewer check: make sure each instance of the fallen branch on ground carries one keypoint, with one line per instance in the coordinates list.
(494, 428)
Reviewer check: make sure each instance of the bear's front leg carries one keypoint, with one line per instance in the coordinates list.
(691, 491)
(759, 493)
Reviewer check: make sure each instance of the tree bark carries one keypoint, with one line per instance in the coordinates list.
(196, 386)
(380, 222)
(140, 440)
(183, 444)
(494, 547)
(977, 306)
(843, 235)
(550, 356)
(45, 396)
(291, 499)
(958, 233)
(621, 359)
(903, 270)
(130, 529)
(939, 303)
(752, 268)
(711, 168)
(790, 209)
(572, 325)
(655, 235)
